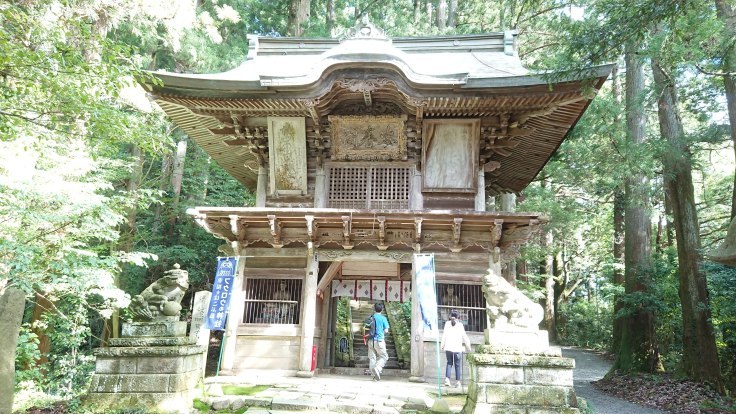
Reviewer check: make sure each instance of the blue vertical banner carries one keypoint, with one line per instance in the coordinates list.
(426, 294)
(222, 291)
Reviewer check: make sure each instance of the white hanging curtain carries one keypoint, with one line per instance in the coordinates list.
(392, 291)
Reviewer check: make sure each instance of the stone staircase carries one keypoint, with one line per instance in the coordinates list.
(360, 350)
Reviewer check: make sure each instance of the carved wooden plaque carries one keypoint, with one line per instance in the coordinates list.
(368, 138)
(450, 155)
(287, 155)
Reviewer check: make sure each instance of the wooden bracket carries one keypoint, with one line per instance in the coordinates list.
(234, 224)
(496, 232)
(252, 138)
(275, 228)
(382, 233)
(310, 228)
(418, 230)
(346, 228)
(456, 229)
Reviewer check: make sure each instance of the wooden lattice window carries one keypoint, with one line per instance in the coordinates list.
(369, 187)
(272, 301)
(467, 300)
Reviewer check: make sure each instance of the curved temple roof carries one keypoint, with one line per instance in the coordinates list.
(524, 116)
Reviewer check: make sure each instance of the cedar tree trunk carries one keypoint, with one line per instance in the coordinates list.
(700, 356)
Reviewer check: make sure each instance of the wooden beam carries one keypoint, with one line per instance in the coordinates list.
(269, 252)
(330, 274)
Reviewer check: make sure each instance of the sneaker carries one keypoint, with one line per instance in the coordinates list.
(457, 384)
(377, 376)
(447, 382)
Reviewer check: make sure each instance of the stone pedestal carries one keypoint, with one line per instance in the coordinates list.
(153, 366)
(521, 377)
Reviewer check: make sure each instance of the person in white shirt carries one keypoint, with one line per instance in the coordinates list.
(453, 339)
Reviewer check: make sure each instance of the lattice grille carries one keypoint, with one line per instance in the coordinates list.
(390, 188)
(467, 300)
(272, 301)
(369, 187)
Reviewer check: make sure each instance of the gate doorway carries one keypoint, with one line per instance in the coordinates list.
(361, 285)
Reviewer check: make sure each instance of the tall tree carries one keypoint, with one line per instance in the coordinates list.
(298, 16)
(727, 13)
(700, 356)
(638, 350)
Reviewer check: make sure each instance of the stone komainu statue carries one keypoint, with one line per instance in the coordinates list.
(161, 300)
(507, 306)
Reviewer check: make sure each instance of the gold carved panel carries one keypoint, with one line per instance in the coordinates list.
(368, 138)
(287, 155)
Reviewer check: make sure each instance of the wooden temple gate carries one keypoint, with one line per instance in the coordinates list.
(366, 150)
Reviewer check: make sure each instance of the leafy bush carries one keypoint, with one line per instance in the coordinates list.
(586, 323)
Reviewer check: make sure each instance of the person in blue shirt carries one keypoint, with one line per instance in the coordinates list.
(377, 355)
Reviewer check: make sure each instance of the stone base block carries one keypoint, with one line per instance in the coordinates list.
(534, 340)
(485, 408)
(154, 352)
(146, 365)
(153, 341)
(146, 383)
(520, 382)
(153, 373)
(174, 402)
(156, 328)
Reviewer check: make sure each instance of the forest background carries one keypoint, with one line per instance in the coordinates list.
(95, 182)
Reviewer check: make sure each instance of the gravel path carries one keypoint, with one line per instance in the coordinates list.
(591, 367)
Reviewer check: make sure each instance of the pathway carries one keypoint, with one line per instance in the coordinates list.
(329, 393)
(591, 367)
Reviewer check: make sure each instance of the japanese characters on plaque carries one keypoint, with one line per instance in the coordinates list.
(222, 291)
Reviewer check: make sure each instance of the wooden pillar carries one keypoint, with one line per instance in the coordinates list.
(417, 337)
(491, 204)
(234, 318)
(416, 202)
(322, 352)
(309, 313)
(262, 186)
(480, 196)
(319, 188)
(508, 202)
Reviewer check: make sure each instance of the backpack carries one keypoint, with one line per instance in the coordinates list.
(370, 325)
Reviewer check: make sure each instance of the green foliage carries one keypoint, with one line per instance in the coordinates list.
(722, 280)
(586, 324)
(243, 390)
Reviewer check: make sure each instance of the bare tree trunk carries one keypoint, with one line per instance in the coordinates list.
(330, 17)
(41, 307)
(417, 11)
(176, 179)
(134, 183)
(298, 16)
(429, 15)
(549, 288)
(452, 14)
(728, 15)
(700, 356)
(442, 14)
(163, 183)
(619, 206)
(638, 350)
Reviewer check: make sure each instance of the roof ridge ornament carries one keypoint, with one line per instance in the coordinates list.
(364, 29)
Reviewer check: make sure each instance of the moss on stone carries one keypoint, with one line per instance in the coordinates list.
(243, 390)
